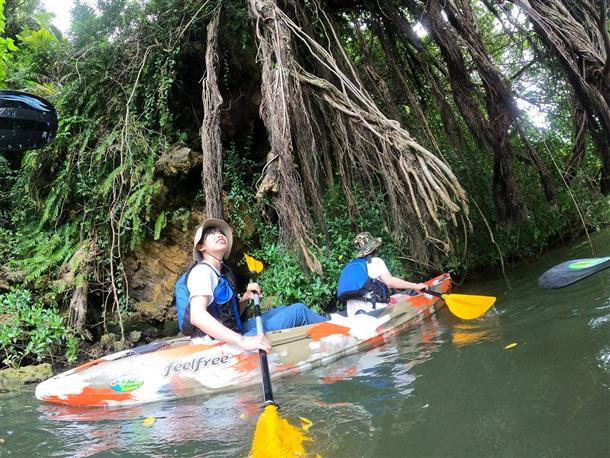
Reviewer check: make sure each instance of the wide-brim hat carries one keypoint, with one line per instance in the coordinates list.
(365, 243)
(224, 228)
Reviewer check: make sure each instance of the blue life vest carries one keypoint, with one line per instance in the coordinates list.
(224, 306)
(355, 283)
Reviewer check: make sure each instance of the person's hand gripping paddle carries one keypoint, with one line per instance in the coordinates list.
(274, 436)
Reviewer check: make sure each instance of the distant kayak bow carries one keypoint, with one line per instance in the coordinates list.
(570, 272)
(465, 306)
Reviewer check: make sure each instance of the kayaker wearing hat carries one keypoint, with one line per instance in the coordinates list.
(365, 282)
(215, 309)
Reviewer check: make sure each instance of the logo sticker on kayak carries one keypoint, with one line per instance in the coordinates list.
(586, 263)
(196, 364)
(126, 383)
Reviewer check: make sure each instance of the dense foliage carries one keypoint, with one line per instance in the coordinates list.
(288, 282)
(126, 82)
(31, 331)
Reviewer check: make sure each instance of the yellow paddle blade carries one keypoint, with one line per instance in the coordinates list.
(253, 265)
(275, 437)
(468, 307)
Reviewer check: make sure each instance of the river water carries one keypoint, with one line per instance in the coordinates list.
(446, 388)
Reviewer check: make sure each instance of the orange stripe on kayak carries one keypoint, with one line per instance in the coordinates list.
(377, 340)
(320, 330)
(82, 367)
(90, 397)
(285, 367)
(188, 349)
(247, 362)
(445, 283)
(420, 301)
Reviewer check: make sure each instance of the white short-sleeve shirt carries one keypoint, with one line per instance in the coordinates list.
(375, 269)
(202, 281)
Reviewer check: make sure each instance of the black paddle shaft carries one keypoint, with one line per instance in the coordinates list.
(265, 375)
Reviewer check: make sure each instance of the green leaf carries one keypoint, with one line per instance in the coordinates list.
(109, 181)
(160, 224)
(10, 44)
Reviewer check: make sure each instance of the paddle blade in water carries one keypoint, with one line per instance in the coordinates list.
(254, 265)
(275, 437)
(468, 307)
(569, 272)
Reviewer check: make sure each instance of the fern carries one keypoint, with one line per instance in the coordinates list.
(160, 224)
(108, 182)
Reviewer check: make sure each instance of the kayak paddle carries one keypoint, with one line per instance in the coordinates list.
(465, 306)
(569, 272)
(274, 436)
(26, 121)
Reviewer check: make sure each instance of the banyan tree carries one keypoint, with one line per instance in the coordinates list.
(323, 126)
(412, 106)
(331, 119)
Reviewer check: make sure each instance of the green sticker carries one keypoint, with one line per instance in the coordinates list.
(587, 263)
(127, 383)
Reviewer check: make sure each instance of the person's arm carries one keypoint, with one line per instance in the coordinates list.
(201, 318)
(399, 283)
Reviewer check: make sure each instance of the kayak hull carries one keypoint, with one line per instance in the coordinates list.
(181, 367)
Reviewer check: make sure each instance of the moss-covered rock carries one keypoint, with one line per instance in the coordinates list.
(177, 160)
(15, 379)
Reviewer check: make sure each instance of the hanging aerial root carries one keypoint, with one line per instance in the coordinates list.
(211, 145)
(305, 113)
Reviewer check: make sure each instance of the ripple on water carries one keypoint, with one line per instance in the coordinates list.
(599, 321)
(604, 358)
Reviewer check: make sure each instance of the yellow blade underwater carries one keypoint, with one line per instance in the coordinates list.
(468, 307)
(253, 264)
(275, 437)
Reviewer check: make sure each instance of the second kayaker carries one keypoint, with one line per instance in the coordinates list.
(212, 306)
(365, 282)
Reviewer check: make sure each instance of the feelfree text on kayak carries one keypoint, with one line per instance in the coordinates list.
(196, 364)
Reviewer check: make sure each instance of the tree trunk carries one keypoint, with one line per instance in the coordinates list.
(491, 130)
(211, 145)
(575, 31)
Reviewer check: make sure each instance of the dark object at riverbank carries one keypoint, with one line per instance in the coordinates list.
(570, 272)
(26, 121)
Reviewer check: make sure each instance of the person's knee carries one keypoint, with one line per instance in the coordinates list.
(299, 306)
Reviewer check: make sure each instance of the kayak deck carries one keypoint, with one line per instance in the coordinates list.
(181, 367)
